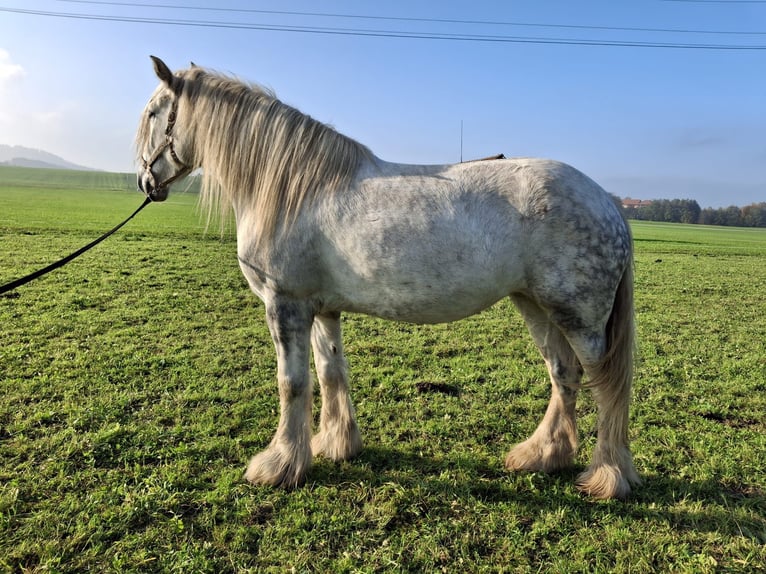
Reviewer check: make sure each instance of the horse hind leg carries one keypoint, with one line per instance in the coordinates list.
(338, 437)
(607, 356)
(611, 472)
(553, 445)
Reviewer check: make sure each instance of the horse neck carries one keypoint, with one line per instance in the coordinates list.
(276, 164)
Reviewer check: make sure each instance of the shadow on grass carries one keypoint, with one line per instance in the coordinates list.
(702, 506)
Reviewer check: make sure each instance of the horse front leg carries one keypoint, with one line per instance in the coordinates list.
(288, 457)
(338, 437)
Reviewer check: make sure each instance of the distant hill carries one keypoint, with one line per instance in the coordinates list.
(27, 157)
(12, 176)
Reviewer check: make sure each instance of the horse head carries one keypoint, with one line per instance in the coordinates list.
(164, 156)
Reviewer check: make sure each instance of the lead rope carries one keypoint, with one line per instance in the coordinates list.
(61, 262)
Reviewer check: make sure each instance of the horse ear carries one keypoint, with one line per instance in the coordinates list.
(164, 73)
(193, 65)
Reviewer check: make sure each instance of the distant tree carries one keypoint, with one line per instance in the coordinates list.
(663, 211)
(649, 212)
(710, 216)
(731, 216)
(668, 210)
(754, 215)
(689, 211)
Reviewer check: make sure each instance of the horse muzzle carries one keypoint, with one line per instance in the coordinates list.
(148, 185)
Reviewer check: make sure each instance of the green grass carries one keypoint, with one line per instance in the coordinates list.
(138, 380)
(660, 238)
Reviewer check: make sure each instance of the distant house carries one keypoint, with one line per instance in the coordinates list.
(629, 203)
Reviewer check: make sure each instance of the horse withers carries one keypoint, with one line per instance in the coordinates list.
(324, 226)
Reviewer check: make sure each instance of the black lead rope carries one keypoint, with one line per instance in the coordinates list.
(61, 262)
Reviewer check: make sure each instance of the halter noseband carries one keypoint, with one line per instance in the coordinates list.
(169, 145)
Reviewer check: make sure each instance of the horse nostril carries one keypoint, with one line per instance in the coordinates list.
(145, 184)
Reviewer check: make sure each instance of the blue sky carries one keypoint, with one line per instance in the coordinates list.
(645, 122)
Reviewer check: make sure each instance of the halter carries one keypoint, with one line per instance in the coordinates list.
(169, 145)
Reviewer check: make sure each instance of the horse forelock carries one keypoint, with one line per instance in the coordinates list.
(260, 154)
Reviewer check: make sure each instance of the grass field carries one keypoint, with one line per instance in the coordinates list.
(138, 381)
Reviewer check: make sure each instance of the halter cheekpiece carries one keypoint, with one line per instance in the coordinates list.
(169, 145)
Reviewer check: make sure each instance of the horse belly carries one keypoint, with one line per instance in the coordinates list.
(444, 307)
(428, 281)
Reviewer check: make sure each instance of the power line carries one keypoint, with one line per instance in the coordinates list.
(431, 20)
(361, 32)
(719, 1)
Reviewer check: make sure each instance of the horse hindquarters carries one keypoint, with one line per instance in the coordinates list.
(572, 340)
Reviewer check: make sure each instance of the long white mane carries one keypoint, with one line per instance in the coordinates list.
(255, 149)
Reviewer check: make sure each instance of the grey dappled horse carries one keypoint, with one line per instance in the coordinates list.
(324, 226)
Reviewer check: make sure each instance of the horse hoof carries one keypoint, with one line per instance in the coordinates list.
(529, 456)
(274, 468)
(606, 481)
(345, 446)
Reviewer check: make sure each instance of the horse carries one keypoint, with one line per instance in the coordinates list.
(324, 226)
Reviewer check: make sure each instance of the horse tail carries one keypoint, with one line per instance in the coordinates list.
(612, 473)
(613, 374)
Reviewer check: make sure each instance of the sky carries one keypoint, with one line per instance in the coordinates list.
(652, 99)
